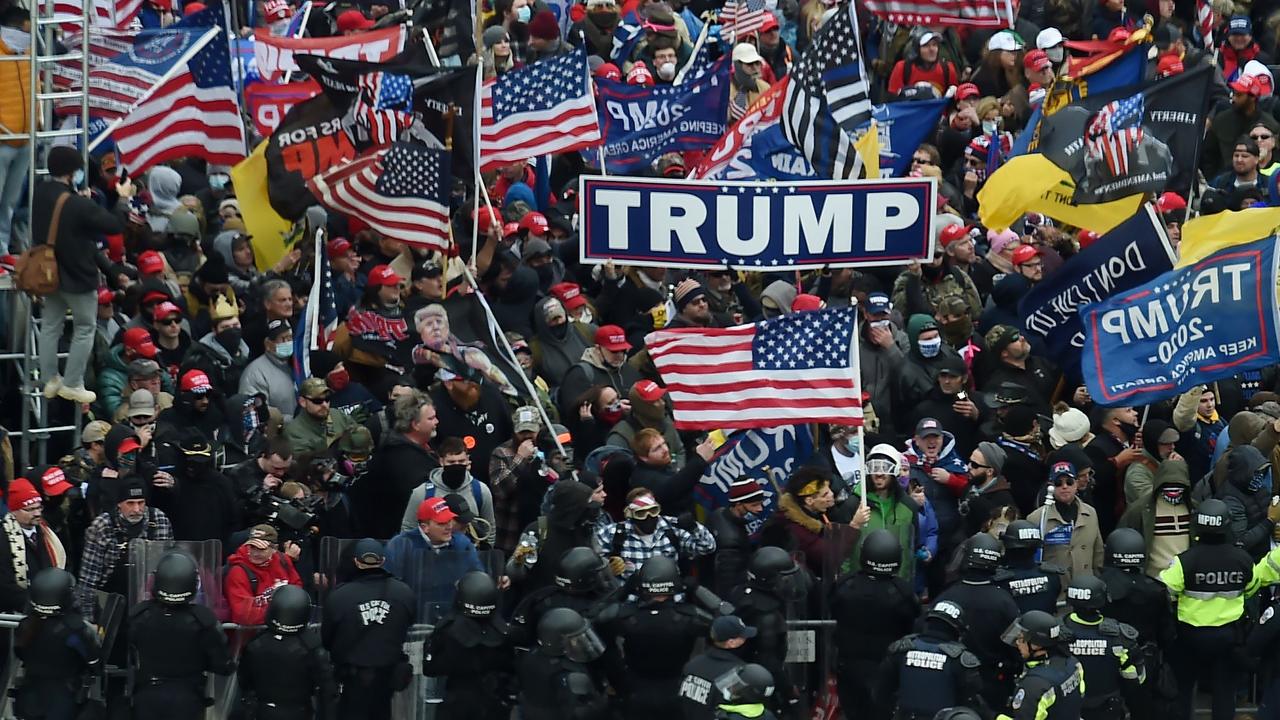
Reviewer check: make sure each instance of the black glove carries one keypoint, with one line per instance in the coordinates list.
(685, 522)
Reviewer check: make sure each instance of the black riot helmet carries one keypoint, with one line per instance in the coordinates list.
(176, 579)
(982, 553)
(770, 563)
(289, 611)
(52, 592)
(947, 613)
(1022, 535)
(1087, 592)
(1037, 628)
(477, 595)
(957, 713)
(1211, 520)
(582, 571)
(881, 554)
(745, 684)
(1126, 549)
(659, 576)
(564, 633)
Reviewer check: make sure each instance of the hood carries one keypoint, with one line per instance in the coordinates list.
(947, 457)
(1242, 463)
(569, 500)
(464, 489)
(592, 356)
(915, 326)
(795, 512)
(222, 244)
(782, 293)
(1009, 291)
(1172, 472)
(1244, 427)
(115, 359)
(210, 342)
(1153, 428)
(523, 287)
(163, 183)
(115, 436)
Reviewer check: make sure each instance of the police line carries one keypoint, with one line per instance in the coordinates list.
(760, 226)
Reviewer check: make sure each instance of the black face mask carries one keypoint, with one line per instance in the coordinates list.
(1129, 429)
(229, 339)
(646, 526)
(546, 273)
(452, 476)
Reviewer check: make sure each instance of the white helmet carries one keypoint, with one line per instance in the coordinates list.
(884, 459)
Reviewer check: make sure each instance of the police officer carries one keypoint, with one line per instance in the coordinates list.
(471, 651)
(1052, 686)
(1141, 601)
(582, 580)
(926, 673)
(874, 607)
(697, 688)
(173, 643)
(773, 580)
(988, 611)
(365, 623)
(284, 672)
(1107, 649)
(656, 630)
(58, 650)
(1033, 585)
(1209, 583)
(558, 679)
(743, 692)
(957, 713)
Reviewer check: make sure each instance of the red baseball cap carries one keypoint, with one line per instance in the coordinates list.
(805, 302)
(55, 481)
(128, 445)
(485, 219)
(770, 23)
(277, 10)
(648, 390)
(569, 294)
(1169, 65)
(353, 20)
(383, 275)
(1037, 60)
(1087, 238)
(192, 8)
(967, 90)
(1246, 84)
(139, 340)
(435, 510)
(510, 229)
(609, 71)
(612, 338)
(105, 296)
(1170, 201)
(535, 222)
(338, 247)
(952, 233)
(164, 310)
(195, 381)
(150, 263)
(1024, 253)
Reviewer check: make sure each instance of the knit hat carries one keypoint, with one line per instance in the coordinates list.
(917, 324)
(1018, 420)
(1001, 239)
(22, 495)
(1068, 427)
(494, 35)
(745, 490)
(519, 192)
(131, 487)
(544, 26)
(687, 291)
(640, 74)
(994, 455)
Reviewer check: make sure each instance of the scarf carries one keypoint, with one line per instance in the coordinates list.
(1211, 420)
(18, 548)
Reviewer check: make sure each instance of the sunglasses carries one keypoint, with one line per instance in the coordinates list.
(1261, 137)
(317, 401)
(921, 161)
(1064, 480)
(171, 321)
(980, 466)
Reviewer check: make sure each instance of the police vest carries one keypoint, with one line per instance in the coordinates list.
(1215, 573)
(1100, 650)
(1059, 675)
(927, 674)
(1033, 588)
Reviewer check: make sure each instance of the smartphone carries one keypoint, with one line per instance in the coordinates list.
(123, 177)
(962, 395)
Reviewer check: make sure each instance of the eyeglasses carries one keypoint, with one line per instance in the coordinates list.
(1033, 264)
(921, 161)
(171, 321)
(980, 466)
(317, 401)
(1261, 137)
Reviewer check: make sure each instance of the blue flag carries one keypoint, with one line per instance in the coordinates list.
(1190, 326)
(626, 36)
(768, 455)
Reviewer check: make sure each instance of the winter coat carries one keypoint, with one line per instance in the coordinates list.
(734, 548)
(468, 491)
(1081, 551)
(1251, 529)
(944, 497)
(200, 507)
(673, 489)
(248, 600)
(591, 370)
(552, 355)
(824, 545)
(1141, 513)
(15, 89)
(431, 572)
(223, 369)
(112, 380)
(881, 367)
(308, 434)
(898, 514)
(397, 468)
(273, 378)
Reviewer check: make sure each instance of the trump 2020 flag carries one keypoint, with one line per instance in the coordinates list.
(799, 368)
(1193, 325)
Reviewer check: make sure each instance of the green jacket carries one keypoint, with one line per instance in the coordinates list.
(113, 378)
(898, 514)
(308, 435)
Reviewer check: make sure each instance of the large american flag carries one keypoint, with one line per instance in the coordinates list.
(1115, 131)
(319, 319)
(401, 190)
(740, 18)
(1206, 22)
(540, 109)
(110, 14)
(828, 98)
(195, 113)
(384, 105)
(114, 89)
(994, 14)
(799, 368)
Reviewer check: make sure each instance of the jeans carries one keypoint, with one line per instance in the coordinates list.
(14, 162)
(84, 315)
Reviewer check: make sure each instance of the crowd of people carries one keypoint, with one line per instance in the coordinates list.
(990, 543)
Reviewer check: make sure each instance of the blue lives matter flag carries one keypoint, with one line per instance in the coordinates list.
(768, 455)
(1193, 325)
(319, 319)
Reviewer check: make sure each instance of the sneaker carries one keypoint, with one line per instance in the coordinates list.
(52, 387)
(77, 394)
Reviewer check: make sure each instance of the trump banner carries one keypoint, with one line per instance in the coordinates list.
(640, 123)
(756, 225)
(1200, 323)
(1134, 253)
(268, 104)
(275, 55)
(766, 454)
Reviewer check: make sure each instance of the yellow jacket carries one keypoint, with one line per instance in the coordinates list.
(15, 91)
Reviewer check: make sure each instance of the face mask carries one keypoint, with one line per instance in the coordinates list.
(646, 526)
(17, 40)
(453, 476)
(284, 350)
(1173, 494)
(586, 316)
(882, 324)
(1055, 54)
(957, 331)
(852, 444)
(229, 339)
(218, 181)
(930, 348)
(611, 415)
(127, 463)
(523, 14)
(667, 71)
(743, 78)
(78, 178)
(990, 126)
(338, 380)
(546, 273)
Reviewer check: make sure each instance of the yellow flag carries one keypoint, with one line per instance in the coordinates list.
(260, 219)
(868, 147)
(1032, 183)
(1208, 234)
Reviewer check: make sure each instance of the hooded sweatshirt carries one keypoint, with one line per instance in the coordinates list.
(163, 183)
(248, 607)
(469, 491)
(513, 309)
(557, 349)
(1248, 500)
(223, 369)
(782, 294)
(1164, 525)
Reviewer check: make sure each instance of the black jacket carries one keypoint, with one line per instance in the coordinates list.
(1251, 529)
(76, 247)
(733, 550)
(672, 490)
(398, 467)
(354, 641)
(488, 424)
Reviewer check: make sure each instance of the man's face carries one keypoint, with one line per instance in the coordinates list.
(514, 171)
(435, 330)
(1064, 489)
(659, 454)
(462, 459)
(427, 421)
(950, 384)
(770, 38)
(150, 382)
(106, 311)
(1243, 102)
(132, 510)
(260, 556)
(929, 445)
(751, 69)
(1240, 41)
(822, 500)
(1032, 269)
(431, 288)
(721, 282)
(280, 304)
(169, 326)
(201, 402)
(1174, 231)
(978, 467)
(1207, 404)
(1164, 450)
(615, 358)
(276, 465)
(961, 250)
(1243, 162)
(346, 263)
(285, 339)
(28, 516)
(698, 310)
(437, 533)
(1019, 349)
(664, 56)
(929, 51)
(317, 408)
(524, 436)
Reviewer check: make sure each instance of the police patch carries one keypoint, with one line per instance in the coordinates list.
(1018, 698)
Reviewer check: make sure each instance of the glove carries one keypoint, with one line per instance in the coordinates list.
(922, 554)
(1273, 511)
(617, 566)
(685, 522)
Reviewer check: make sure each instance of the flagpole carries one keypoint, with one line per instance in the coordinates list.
(693, 56)
(313, 298)
(182, 62)
(302, 28)
(233, 54)
(475, 134)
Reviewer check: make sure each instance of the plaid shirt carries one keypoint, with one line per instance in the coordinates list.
(637, 548)
(505, 470)
(105, 545)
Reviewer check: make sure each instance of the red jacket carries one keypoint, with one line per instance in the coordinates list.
(246, 606)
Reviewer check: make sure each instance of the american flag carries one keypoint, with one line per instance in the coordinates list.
(740, 18)
(799, 368)
(948, 13)
(1206, 21)
(828, 99)
(195, 113)
(384, 105)
(540, 109)
(319, 319)
(400, 190)
(110, 14)
(108, 100)
(1115, 132)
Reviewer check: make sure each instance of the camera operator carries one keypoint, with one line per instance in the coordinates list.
(329, 479)
(307, 538)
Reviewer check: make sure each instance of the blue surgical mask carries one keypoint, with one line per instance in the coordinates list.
(523, 14)
(284, 350)
(218, 181)
(930, 348)
(990, 126)
(78, 178)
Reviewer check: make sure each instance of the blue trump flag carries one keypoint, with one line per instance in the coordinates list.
(1135, 252)
(1204, 322)
(640, 123)
(767, 454)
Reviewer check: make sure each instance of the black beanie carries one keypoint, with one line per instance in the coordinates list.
(63, 161)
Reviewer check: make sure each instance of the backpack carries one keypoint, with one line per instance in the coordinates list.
(253, 577)
(476, 493)
(36, 272)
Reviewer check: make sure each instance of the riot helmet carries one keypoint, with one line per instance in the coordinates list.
(745, 684)
(1022, 535)
(957, 713)
(582, 571)
(52, 592)
(1087, 592)
(1211, 519)
(289, 611)
(477, 595)
(947, 613)
(659, 576)
(176, 579)
(564, 633)
(1126, 548)
(1037, 628)
(881, 554)
(982, 553)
